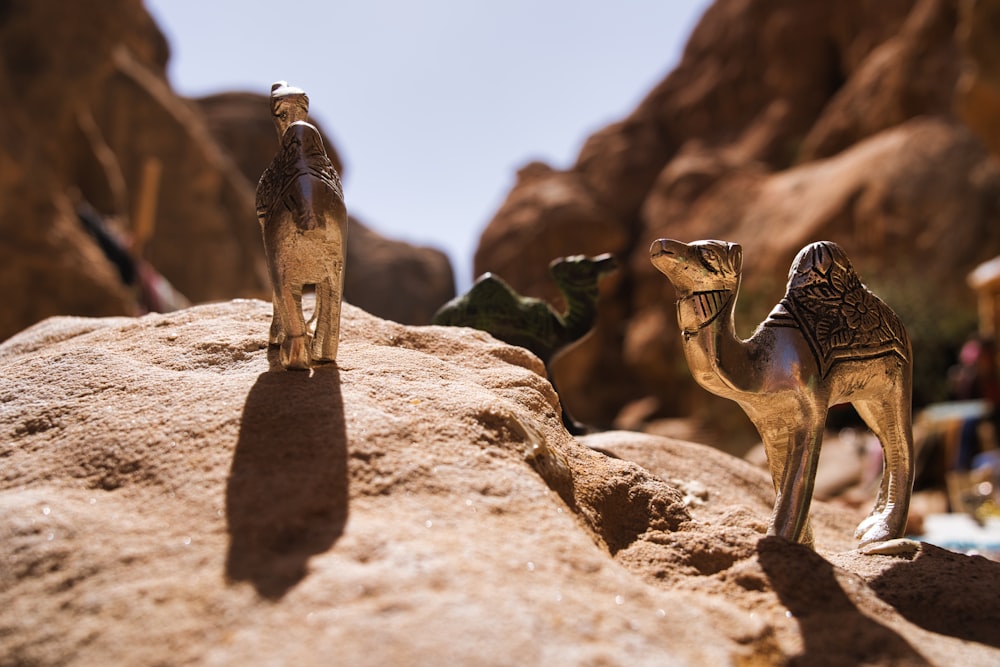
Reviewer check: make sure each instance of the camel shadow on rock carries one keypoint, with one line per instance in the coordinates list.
(945, 592)
(286, 497)
(834, 631)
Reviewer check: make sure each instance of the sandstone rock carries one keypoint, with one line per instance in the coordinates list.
(90, 121)
(51, 59)
(87, 112)
(782, 124)
(168, 498)
(977, 93)
(206, 239)
(399, 281)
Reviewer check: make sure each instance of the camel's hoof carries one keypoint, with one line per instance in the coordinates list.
(865, 526)
(324, 354)
(877, 529)
(275, 336)
(295, 353)
(878, 523)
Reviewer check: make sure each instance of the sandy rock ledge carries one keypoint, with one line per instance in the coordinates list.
(168, 498)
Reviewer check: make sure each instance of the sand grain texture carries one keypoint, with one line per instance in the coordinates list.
(165, 498)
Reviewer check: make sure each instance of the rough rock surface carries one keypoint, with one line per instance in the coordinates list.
(166, 497)
(784, 123)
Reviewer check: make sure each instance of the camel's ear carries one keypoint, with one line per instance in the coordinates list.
(736, 257)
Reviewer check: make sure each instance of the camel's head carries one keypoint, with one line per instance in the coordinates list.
(699, 266)
(580, 272)
(288, 105)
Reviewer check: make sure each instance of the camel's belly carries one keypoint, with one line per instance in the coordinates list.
(303, 257)
(868, 379)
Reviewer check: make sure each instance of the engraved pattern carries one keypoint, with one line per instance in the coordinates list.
(708, 304)
(839, 317)
(301, 154)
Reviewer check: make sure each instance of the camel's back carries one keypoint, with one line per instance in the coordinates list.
(302, 180)
(491, 305)
(839, 317)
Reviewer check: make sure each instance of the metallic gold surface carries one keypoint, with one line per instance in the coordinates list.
(300, 206)
(828, 341)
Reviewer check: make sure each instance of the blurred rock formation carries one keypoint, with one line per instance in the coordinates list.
(784, 123)
(90, 123)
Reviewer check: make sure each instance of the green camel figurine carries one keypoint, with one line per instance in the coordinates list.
(491, 305)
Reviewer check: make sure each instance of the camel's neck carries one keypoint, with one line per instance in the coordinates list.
(581, 311)
(712, 349)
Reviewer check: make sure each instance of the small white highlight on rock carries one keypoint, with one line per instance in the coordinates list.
(901, 546)
(619, 599)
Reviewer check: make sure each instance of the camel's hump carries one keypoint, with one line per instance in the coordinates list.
(301, 154)
(837, 314)
(489, 296)
(493, 306)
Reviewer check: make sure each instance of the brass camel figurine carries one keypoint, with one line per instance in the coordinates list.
(491, 305)
(300, 206)
(828, 341)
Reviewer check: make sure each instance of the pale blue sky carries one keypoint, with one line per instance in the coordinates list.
(434, 104)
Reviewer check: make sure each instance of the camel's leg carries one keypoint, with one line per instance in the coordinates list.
(778, 438)
(328, 300)
(890, 421)
(311, 323)
(276, 334)
(794, 492)
(294, 347)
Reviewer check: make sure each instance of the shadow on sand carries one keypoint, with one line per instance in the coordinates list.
(946, 592)
(834, 631)
(286, 497)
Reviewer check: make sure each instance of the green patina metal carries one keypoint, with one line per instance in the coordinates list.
(491, 305)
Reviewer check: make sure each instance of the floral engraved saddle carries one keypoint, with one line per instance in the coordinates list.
(837, 315)
(301, 154)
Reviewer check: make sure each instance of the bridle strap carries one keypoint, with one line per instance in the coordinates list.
(706, 306)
